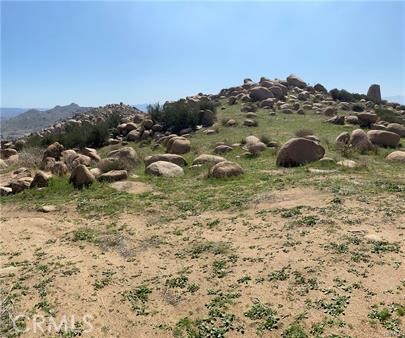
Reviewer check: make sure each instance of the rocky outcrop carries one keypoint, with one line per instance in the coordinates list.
(374, 93)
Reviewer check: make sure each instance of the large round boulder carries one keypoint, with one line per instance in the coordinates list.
(299, 151)
(134, 135)
(360, 141)
(225, 169)
(165, 169)
(367, 119)
(383, 138)
(396, 128)
(178, 145)
(81, 177)
(54, 150)
(173, 158)
(295, 81)
(260, 94)
(124, 158)
(277, 91)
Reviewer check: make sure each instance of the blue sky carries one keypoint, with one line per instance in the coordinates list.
(94, 53)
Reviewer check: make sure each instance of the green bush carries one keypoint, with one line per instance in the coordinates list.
(155, 111)
(344, 96)
(85, 135)
(389, 115)
(180, 114)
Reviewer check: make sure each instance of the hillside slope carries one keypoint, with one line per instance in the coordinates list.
(34, 119)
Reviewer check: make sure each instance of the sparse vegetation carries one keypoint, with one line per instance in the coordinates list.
(187, 256)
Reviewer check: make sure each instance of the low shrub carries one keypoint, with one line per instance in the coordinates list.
(180, 114)
(389, 115)
(30, 157)
(345, 96)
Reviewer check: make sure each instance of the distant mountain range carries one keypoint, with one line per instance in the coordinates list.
(35, 119)
(6, 113)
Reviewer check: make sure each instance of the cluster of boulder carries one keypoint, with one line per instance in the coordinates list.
(92, 117)
(8, 154)
(24, 178)
(364, 141)
(84, 166)
(294, 95)
(289, 96)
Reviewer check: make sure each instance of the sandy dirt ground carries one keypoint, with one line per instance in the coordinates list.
(329, 265)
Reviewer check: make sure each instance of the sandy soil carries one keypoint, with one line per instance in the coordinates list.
(314, 260)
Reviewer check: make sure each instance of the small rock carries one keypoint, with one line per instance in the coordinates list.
(342, 138)
(4, 191)
(222, 149)
(113, 176)
(249, 123)
(396, 156)
(47, 208)
(348, 164)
